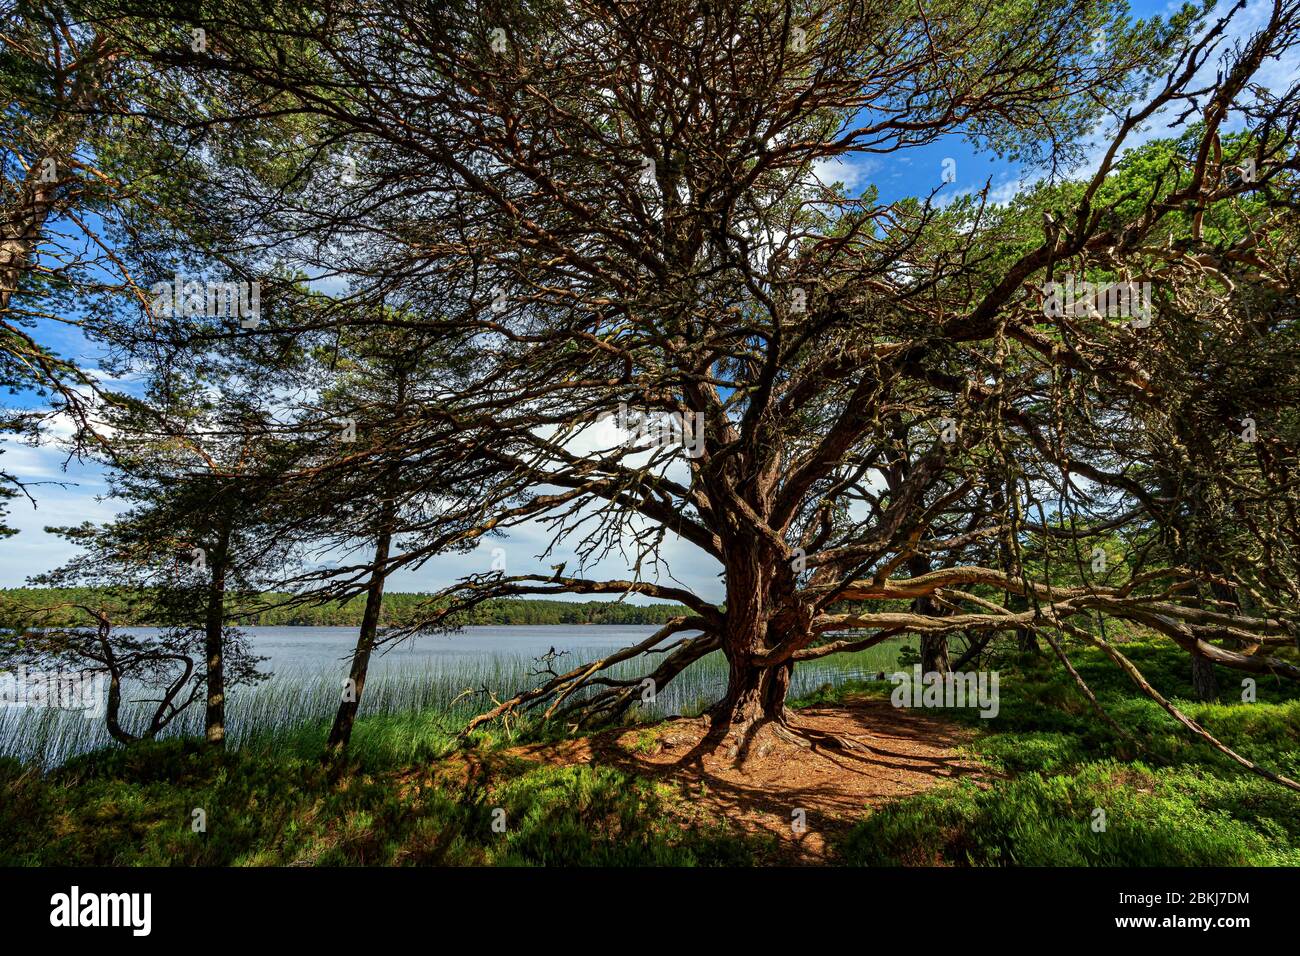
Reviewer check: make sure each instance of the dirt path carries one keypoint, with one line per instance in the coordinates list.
(892, 754)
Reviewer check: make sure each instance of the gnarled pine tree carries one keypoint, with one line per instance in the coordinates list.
(876, 417)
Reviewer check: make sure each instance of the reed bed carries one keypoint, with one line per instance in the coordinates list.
(405, 711)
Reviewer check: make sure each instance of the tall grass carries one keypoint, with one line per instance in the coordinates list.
(421, 704)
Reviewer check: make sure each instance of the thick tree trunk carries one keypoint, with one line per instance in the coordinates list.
(214, 643)
(760, 620)
(23, 232)
(38, 201)
(755, 699)
(341, 732)
(16, 250)
(1204, 681)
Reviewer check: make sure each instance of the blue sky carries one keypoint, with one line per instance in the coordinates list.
(69, 492)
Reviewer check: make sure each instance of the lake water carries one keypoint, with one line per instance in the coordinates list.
(452, 676)
(330, 648)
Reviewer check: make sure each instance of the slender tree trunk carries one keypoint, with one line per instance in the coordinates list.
(934, 653)
(214, 640)
(113, 711)
(1027, 640)
(341, 732)
(112, 716)
(346, 716)
(1204, 681)
(934, 647)
(1026, 637)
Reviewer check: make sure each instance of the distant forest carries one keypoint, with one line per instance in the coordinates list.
(398, 608)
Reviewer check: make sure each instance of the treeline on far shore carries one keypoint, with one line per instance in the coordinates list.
(61, 607)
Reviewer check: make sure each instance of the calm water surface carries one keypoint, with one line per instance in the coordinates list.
(330, 648)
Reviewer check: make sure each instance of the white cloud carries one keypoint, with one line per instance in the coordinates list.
(853, 172)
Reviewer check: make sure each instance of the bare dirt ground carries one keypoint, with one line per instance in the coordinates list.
(863, 753)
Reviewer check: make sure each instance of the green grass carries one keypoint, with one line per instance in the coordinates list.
(136, 807)
(402, 800)
(1152, 818)
(1167, 799)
